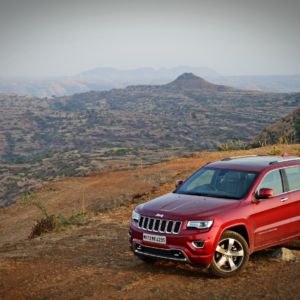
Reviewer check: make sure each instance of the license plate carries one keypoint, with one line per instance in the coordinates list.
(158, 239)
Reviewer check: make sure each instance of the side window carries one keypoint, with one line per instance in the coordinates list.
(293, 176)
(272, 181)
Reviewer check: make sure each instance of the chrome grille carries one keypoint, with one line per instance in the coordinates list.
(159, 225)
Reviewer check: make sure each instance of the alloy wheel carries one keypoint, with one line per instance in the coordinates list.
(229, 255)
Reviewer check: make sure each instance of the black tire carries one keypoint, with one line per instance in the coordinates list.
(147, 259)
(231, 255)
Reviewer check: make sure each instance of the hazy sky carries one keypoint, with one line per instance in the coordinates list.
(64, 37)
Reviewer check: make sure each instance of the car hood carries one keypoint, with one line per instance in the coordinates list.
(179, 205)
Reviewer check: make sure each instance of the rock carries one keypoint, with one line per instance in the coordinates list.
(285, 254)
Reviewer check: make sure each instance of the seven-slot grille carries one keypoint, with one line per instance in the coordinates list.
(159, 225)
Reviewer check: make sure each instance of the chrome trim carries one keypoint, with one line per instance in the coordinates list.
(167, 225)
(267, 231)
(284, 199)
(148, 225)
(193, 243)
(186, 259)
(173, 227)
(159, 230)
(159, 215)
(159, 223)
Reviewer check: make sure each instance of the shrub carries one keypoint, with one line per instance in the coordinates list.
(43, 225)
(76, 219)
(232, 145)
(274, 151)
(48, 222)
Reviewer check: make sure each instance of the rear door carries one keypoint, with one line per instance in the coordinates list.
(269, 216)
(292, 203)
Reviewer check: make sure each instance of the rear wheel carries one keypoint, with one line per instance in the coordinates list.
(231, 255)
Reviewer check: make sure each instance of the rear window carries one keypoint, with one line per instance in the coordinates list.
(293, 176)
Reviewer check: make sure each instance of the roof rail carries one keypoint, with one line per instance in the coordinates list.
(242, 156)
(284, 160)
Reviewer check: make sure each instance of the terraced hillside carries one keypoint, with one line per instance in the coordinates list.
(286, 130)
(43, 138)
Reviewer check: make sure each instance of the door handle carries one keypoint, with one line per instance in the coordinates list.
(284, 199)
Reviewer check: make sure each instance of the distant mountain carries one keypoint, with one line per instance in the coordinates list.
(144, 75)
(284, 131)
(271, 83)
(46, 87)
(100, 79)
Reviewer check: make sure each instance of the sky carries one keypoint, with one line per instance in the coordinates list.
(41, 38)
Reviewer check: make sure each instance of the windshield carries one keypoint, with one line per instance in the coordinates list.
(220, 183)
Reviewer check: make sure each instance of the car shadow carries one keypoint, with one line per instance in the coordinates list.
(170, 268)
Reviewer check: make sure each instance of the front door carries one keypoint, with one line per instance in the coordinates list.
(269, 215)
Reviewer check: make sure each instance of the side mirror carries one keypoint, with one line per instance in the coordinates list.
(178, 183)
(265, 193)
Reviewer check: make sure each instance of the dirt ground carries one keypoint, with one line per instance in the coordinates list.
(93, 261)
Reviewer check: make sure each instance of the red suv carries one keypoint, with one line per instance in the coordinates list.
(222, 213)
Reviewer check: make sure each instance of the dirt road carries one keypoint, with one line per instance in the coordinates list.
(93, 261)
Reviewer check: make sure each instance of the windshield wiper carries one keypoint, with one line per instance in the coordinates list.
(196, 194)
(209, 195)
(226, 197)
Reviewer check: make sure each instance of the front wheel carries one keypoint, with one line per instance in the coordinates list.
(231, 255)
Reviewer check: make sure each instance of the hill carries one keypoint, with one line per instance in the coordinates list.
(286, 130)
(45, 138)
(189, 81)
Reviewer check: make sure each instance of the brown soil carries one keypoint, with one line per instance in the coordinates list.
(93, 261)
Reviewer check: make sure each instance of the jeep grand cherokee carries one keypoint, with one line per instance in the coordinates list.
(221, 214)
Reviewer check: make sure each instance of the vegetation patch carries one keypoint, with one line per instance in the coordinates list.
(76, 219)
(120, 152)
(48, 223)
(232, 145)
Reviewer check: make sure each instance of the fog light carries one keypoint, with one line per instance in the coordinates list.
(198, 244)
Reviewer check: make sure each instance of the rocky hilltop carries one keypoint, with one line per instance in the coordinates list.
(189, 81)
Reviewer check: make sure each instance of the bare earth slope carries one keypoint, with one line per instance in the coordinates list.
(93, 261)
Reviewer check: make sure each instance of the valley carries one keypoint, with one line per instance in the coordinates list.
(47, 138)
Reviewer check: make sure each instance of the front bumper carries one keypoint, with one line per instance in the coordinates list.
(178, 247)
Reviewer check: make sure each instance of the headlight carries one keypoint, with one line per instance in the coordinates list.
(199, 224)
(135, 216)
